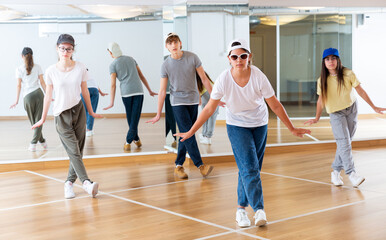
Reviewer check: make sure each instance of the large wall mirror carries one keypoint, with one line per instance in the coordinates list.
(286, 44)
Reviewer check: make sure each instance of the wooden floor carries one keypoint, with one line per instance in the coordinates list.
(140, 199)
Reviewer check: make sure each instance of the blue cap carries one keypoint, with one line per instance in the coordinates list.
(330, 51)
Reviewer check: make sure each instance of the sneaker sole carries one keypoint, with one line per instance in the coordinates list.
(209, 171)
(359, 183)
(95, 189)
(69, 197)
(260, 223)
(183, 177)
(243, 226)
(337, 185)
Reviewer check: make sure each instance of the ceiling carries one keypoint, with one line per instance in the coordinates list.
(120, 9)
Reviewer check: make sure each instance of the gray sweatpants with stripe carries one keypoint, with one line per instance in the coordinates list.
(71, 126)
(344, 125)
(33, 105)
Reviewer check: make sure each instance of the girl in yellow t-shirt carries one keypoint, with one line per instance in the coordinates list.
(335, 90)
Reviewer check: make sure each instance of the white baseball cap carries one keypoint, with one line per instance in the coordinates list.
(172, 34)
(115, 49)
(238, 43)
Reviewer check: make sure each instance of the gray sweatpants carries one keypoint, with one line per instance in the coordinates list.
(344, 125)
(71, 126)
(33, 105)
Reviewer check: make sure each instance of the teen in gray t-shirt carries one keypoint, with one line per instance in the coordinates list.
(182, 77)
(126, 69)
(180, 70)
(129, 74)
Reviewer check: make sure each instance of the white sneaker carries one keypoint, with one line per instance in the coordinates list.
(32, 147)
(205, 140)
(44, 145)
(68, 190)
(242, 218)
(336, 179)
(91, 188)
(355, 179)
(260, 218)
(89, 133)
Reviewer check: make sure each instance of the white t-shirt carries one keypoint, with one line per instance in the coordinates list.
(92, 83)
(30, 82)
(245, 106)
(66, 85)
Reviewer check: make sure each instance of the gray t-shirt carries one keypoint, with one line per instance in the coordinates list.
(181, 74)
(126, 69)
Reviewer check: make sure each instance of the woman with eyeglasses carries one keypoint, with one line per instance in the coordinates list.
(244, 88)
(30, 75)
(335, 90)
(68, 79)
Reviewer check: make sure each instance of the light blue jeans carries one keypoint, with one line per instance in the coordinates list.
(208, 127)
(248, 145)
(344, 125)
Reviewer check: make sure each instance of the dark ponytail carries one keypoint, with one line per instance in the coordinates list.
(29, 63)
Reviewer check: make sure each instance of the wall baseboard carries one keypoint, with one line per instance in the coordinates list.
(50, 117)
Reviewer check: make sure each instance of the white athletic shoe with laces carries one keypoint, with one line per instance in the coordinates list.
(336, 179)
(44, 145)
(242, 218)
(260, 218)
(32, 147)
(355, 179)
(89, 133)
(68, 190)
(91, 188)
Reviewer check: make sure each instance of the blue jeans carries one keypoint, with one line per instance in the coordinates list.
(185, 116)
(170, 121)
(248, 145)
(133, 107)
(94, 98)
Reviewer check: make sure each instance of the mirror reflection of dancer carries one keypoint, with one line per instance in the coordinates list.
(170, 121)
(126, 70)
(68, 78)
(30, 75)
(94, 92)
(244, 88)
(335, 90)
(208, 127)
(180, 69)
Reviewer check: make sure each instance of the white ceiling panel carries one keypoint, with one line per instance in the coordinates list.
(47, 10)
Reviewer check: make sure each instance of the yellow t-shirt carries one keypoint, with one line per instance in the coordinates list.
(338, 100)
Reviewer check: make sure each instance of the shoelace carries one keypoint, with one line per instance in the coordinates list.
(243, 215)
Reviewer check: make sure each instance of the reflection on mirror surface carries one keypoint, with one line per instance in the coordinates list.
(288, 53)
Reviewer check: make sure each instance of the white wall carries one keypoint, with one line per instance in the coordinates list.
(369, 53)
(209, 35)
(141, 40)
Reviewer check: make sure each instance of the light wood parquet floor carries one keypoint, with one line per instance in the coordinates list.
(141, 199)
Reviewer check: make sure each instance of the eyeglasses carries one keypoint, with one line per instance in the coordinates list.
(242, 56)
(63, 49)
